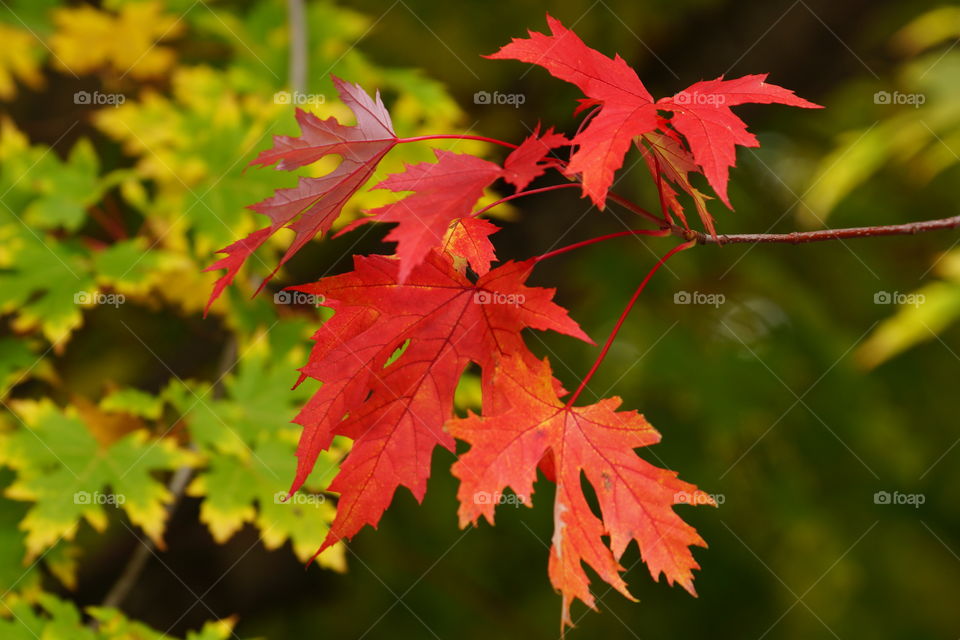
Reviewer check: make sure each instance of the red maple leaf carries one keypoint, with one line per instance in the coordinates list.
(626, 110)
(529, 160)
(406, 327)
(636, 498)
(469, 238)
(314, 204)
(701, 112)
(670, 163)
(395, 412)
(443, 191)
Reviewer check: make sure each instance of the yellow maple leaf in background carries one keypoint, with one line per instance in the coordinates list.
(19, 60)
(88, 39)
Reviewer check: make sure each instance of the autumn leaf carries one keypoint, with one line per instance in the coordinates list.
(529, 160)
(636, 498)
(19, 60)
(88, 39)
(626, 107)
(670, 163)
(314, 204)
(443, 191)
(394, 407)
(469, 239)
(701, 112)
(626, 110)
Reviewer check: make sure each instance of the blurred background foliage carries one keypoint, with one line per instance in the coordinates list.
(796, 399)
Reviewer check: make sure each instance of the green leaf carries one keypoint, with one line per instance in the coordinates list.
(924, 314)
(251, 447)
(17, 360)
(42, 283)
(70, 477)
(57, 619)
(129, 266)
(133, 401)
(65, 189)
(237, 491)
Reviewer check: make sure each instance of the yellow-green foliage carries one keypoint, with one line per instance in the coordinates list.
(123, 221)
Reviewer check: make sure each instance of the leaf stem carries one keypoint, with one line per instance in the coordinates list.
(524, 193)
(633, 232)
(634, 207)
(457, 137)
(623, 317)
(663, 203)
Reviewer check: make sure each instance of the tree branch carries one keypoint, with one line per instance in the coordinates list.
(794, 237)
(803, 237)
(297, 20)
(177, 487)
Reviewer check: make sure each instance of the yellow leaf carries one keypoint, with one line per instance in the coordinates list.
(19, 60)
(88, 39)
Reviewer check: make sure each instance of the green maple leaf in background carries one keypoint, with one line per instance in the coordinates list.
(237, 491)
(17, 362)
(55, 619)
(82, 478)
(250, 444)
(40, 282)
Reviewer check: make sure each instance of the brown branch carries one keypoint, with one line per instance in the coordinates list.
(795, 237)
(177, 487)
(297, 21)
(803, 237)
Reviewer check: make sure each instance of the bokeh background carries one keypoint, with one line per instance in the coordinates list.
(815, 395)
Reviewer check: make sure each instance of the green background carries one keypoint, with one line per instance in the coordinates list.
(762, 400)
